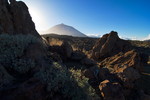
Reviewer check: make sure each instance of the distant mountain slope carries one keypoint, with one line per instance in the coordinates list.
(147, 40)
(62, 29)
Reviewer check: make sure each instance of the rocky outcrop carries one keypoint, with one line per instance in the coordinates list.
(64, 50)
(15, 18)
(123, 60)
(109, 45)
(117, 76)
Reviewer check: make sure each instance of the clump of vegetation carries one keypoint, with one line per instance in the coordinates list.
(82, 82)
(60, 81)
(12, 52)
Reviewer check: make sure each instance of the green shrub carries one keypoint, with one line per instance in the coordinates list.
(60, 81)
(12, 48)
(83, 83)
(54, 75)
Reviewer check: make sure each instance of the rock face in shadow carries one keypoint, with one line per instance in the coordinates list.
(109, 45)
(111, 91)
(15, 18)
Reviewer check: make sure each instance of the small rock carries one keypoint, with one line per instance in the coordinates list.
(88, 62)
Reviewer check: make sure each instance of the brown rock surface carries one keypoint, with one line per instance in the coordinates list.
(67, 49)
(64, 50)
(122, 60)
(111, 91)
(109, 45)
(15, 18)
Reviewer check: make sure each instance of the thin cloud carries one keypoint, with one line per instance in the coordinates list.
(147, 38)
(94, 35)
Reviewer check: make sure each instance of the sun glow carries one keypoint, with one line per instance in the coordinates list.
(37, 18)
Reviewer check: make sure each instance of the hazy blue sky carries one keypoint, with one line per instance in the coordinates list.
(130, 18)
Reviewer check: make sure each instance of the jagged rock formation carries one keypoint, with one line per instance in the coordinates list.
(123, 60)
(15, 18)
(119, 68)
(109, 45)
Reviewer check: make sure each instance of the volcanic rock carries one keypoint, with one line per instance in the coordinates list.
(67, 49)
(111, 91)
(92, 72)
(122, 60)
(15, 18)
(109, 45)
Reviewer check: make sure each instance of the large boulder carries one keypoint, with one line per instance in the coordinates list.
(92, 72)
(15, 18)
(109, 45)
(67, 49)
(111, 90)
(64, 50)
(128, 76)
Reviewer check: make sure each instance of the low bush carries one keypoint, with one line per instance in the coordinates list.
(61, 82)
(12, 48)
(82, 82)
